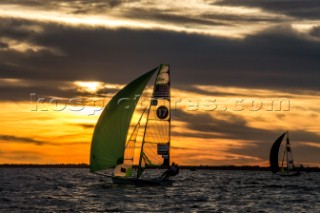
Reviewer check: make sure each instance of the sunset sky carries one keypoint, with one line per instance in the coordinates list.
(242, 54)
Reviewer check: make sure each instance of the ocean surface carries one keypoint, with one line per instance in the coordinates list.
(77, 190)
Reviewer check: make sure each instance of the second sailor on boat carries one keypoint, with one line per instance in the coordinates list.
(172, 171)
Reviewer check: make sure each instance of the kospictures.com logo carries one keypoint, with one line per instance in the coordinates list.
(95, 106)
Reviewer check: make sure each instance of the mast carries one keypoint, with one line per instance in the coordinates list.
(140, 169)
(169, 99)
(283, 157)
(289, 151)
(156, 139)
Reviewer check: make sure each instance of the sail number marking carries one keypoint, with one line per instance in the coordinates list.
(162, 112)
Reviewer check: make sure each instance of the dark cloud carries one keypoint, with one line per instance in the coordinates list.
(233, 128)
(22, 156)
(234, 19)
(21, 139)
(95, 6)
(87, 126)
(34, 89)
(25, 3)
(164, 16)
(27, 140)
(236, 128)
(77, 6)
(308, 9)
(225, 94)
(182, 148)
(275, 58)
(27, 93)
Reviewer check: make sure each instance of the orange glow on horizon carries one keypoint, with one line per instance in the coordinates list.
(41, 137)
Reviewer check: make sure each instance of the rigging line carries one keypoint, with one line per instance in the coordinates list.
(136, 128)
(136, 135)
(290, 149)
(140, 169)
(133, 141)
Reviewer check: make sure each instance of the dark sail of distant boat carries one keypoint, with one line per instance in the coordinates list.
(274, 153)
(287, 165)
(112, 148)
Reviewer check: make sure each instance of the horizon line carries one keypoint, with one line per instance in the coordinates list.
(85, 165)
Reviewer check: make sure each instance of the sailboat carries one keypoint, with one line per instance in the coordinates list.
(287, 165)
(112, 147)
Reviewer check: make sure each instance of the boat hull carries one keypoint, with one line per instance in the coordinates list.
(141, 182)
(290, 174)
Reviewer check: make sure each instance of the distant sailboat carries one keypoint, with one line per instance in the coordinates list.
(287, 166)
(110, 147)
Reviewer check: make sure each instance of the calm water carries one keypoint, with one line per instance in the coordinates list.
(56, 189)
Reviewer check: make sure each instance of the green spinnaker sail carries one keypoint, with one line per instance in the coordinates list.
(110, 133)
